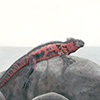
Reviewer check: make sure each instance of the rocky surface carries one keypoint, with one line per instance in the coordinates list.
(50, 96)
(2, 97)
(79, 80)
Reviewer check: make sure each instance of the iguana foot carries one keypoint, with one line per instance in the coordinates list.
(27, 80)
(71, 60)
(26, 83)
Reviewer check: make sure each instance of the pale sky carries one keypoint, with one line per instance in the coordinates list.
(32, 22)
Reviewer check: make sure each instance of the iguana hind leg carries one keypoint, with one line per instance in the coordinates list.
(32, 63)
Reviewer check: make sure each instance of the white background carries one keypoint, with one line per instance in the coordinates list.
(31, 22)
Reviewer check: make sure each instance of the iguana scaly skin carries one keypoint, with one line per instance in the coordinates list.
(40, 53)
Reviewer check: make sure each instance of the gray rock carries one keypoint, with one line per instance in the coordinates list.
(2, 97)
(50, 96)
(79, 81)
(76, 81)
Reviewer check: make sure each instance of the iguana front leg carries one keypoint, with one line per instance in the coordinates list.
(67, 60)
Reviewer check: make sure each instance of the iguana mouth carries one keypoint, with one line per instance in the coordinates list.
(80, 43)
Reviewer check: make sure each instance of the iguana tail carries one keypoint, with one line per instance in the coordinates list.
(20, 63)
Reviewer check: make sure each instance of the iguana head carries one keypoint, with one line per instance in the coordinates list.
(72, 45)
(77, 42)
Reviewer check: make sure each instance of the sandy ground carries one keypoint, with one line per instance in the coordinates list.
(9, 55)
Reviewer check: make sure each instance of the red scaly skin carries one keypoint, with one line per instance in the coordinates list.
(42, 53)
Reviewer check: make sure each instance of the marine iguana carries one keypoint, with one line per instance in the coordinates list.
(40, 53)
